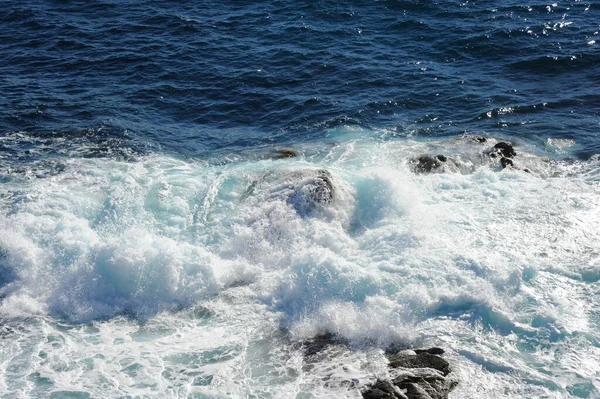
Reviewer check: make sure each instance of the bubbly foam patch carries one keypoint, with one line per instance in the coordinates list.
(195, 278)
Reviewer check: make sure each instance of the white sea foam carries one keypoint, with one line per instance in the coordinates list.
(175, 278)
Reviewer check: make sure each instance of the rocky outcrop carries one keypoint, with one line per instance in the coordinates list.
(504, 151)
(413, 374)
(429, 163)
(418, 374)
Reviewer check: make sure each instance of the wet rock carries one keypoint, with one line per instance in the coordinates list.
(320, 342)
(314, 189)
(428, 387)
(428, 163)
(506, 162)
(322, 348)
(282, 153)
(322, 192)
(421, 360)
(383, 389)
(307, 190)
(433, 351)
(414, 391)
(503, 149)
(420, 374)
(476, 139)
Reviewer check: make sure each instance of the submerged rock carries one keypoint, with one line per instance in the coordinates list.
(322, 190)
(309, 191)
(320, 342)
(282, 153)
(314, 190)
(474, 139)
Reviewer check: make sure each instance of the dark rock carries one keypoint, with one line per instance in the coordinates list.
(382, 390)
(321, 348)
(320, 342)
(505, 149)
(426, 386)
(414, 391)
(423, 375)
(474, 139)
(414, 380)
(506, 162)
(428, 163)
(421, 360)
(282, 153)
(433, 351)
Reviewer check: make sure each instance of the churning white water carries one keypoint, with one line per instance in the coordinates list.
(166, 277)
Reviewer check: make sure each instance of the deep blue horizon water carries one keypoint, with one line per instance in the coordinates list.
(175, 74)
(152, 244)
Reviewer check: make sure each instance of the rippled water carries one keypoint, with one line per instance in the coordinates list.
(155, 242)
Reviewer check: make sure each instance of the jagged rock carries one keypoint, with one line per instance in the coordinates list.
(433, 351)
(414, 391)
(320, 348)
(320, 342)
(428, 163)
(506, 162)
(420, 374)
(473, 139)
(383, 390)
(425, 386)
(503, 149)
(421, 360)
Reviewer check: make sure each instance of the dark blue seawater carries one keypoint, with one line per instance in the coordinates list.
(192, 191)
(192, 77)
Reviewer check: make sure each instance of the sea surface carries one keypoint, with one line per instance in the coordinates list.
(192, 190)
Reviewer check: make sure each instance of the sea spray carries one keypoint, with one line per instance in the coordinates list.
(163, 257)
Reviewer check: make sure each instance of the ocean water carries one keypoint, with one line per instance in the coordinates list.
(155, 242)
